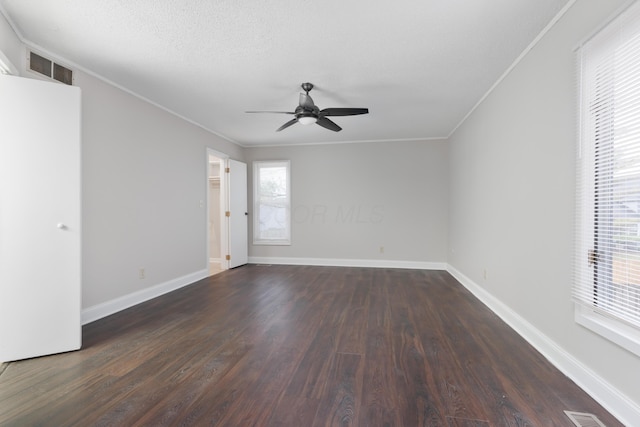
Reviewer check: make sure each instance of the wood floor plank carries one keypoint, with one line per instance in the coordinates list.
(293, 411)
(308, 379)
(350, 335)
(444, 350)
(298, 346)
(420, 407)
(379, 397)
(340, 404)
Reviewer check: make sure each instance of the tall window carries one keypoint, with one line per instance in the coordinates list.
(272, 203)
(607, 276)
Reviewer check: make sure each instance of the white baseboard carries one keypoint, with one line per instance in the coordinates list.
(108, 308)
(337, 262)
(614, 401)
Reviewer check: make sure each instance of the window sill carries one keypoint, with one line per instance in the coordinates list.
(615, 331)
(272, 243)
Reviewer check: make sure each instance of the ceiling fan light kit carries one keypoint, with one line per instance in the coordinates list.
(307, 112)
(307, 119)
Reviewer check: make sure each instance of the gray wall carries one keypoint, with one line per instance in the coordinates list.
(348, 200)
(512, 174)
(144, 192)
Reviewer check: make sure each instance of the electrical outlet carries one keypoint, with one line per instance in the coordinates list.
(141, 273)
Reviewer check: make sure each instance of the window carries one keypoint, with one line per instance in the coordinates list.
(607, 274)
(272, 203)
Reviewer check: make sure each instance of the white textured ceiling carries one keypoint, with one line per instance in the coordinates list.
(419, 65)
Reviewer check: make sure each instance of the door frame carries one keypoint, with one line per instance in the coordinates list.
(224, 201)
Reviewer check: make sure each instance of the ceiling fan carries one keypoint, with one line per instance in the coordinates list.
(307, 112)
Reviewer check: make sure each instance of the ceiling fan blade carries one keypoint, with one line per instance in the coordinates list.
(328, 124)
(286, 125)
(274, 112)
(343, 111)
(306, 101)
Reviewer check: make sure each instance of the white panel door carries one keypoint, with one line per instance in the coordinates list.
(238, 231)
(40, 258)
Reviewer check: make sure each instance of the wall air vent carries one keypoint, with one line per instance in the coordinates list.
(582, 419)
(50, 69)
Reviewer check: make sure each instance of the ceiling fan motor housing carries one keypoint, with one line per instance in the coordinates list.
(307, 112)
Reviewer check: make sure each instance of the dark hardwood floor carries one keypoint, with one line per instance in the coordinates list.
(298, 346)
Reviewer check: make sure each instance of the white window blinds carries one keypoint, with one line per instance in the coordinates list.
(272, 203)
(607, 264)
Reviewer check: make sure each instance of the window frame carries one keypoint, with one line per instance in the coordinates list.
(594, 185)
(257, 166)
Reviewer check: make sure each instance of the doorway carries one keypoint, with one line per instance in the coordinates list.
(227, 226)
(216, 227)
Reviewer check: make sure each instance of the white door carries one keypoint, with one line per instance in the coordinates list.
(238, 231)
(40, 294)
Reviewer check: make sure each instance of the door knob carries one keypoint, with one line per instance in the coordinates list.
(61, 226)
